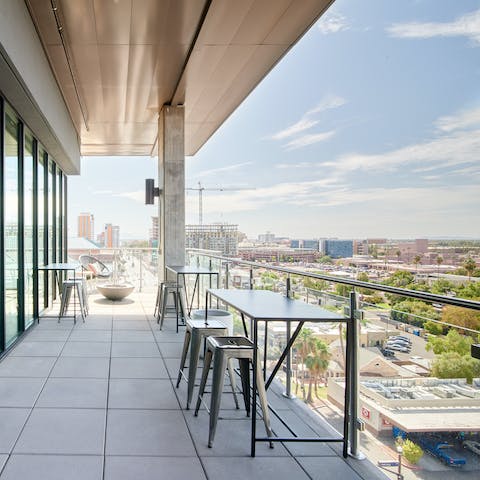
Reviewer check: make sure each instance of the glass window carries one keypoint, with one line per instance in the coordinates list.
(11, 223)
(58, 211)
(50, 228)
(28, 166)
(42, 303)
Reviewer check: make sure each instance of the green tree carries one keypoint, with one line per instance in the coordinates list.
(416, 260)
(304, 345)
(342, 290)
(325, 259)
(463, 317)
(433, 327)
(414, 312)
(411, 451)
(439, 262)
(363, 277)
(317, 364)
(455, 365)
(453, 342)
(442, 286)
(398, 253)
(470, 266)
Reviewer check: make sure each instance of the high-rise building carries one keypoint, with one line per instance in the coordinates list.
(266, 237)
(222, 237)
(154, 232)
(338, 248)
(309, 244)
(112, 236)
(86, 226)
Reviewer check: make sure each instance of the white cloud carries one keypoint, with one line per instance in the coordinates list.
(138, 196)
(300, 126)
(102, 192)
(309, 139)
(467, 25)
(332, 23)
(464, 119)
(307, 122)
(327, 103)
(214, 171)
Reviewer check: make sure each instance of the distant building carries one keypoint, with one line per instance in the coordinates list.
(360, 247)
(338, 248)
(309, 244)
(112, 236)
(154, 233)
(101, 239)
(222, 237)
(86, 226)
(266, 237)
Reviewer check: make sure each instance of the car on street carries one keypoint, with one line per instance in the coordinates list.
(398, 348)
(401, 339)
(472, 445)
(387, 352)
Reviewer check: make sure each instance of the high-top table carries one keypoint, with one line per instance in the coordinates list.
(183, 271)
(56, 268)
(267, 306)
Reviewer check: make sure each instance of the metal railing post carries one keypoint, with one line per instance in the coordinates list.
(251, 279)
(226, 275)
(288, 358)
(141, 270)
(353, 343)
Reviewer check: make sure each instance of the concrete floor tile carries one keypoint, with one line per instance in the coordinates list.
(148, 432)
(141, 394)
(37, 349)
(132, 336)
(11, 423)
(171, 349)
(163, 336)
(26, 366)
(258, 468)
(19, 392)
(135, 349)
(149, 468)
(74, 393)
(138, 368)
(3, 459)
(81, 367)
(53, 467)
(131, 325)
(39, 335)
(86, 349)
(84, 335)
(63, 431)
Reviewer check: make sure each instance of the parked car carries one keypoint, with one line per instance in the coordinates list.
(401, 339)
(398, 342)
(387, 352)
(472, 445)
(398, 348)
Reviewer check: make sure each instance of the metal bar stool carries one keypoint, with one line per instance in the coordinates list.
(222, 349)
(67, 288)
(159, 299)
(179, 305)
(196, 332)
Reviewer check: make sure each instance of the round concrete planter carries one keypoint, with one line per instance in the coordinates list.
(215, 314)
(115, 291)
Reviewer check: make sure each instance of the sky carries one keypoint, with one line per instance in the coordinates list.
(368, 127)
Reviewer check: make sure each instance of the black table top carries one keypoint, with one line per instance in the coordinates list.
(271, 306)
(189, 270)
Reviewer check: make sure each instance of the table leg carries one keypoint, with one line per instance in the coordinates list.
(254, 390)
(245, 330)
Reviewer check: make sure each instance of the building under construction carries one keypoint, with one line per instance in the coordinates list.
(222, 237)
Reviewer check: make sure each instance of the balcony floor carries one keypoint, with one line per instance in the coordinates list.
(97, 401)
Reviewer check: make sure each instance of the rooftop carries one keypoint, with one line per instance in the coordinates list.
(96, 400)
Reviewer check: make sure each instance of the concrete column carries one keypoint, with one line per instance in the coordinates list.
(171, 181)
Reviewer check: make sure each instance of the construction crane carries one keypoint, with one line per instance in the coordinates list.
(200, 191)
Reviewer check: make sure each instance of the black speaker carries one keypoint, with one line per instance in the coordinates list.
(149, 191)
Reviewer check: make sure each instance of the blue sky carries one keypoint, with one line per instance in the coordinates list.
(369, 127)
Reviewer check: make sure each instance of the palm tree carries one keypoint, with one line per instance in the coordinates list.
(398, 253)
(317, 364)
(416, 260)
(470, 266)
(439, 262)
(304, 345)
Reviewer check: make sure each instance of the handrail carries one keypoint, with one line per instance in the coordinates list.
(425, 296)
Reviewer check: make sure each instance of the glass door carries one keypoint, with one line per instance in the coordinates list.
(11, 228)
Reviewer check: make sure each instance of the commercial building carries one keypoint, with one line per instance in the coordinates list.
(112, 236)
(338, 248)
(309, 244)
(86, 226)
(222, 237)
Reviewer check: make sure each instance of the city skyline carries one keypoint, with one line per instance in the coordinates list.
(373, 111)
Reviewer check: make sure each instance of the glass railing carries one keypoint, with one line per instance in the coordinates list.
(416, 378)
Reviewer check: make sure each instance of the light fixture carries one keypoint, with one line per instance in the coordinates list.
(151, 191)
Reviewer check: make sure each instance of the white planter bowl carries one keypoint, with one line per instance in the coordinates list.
(117, 291)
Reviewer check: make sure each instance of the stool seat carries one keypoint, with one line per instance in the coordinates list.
(196, 331)
(179, 303)
(77, 285)
(223, 350)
